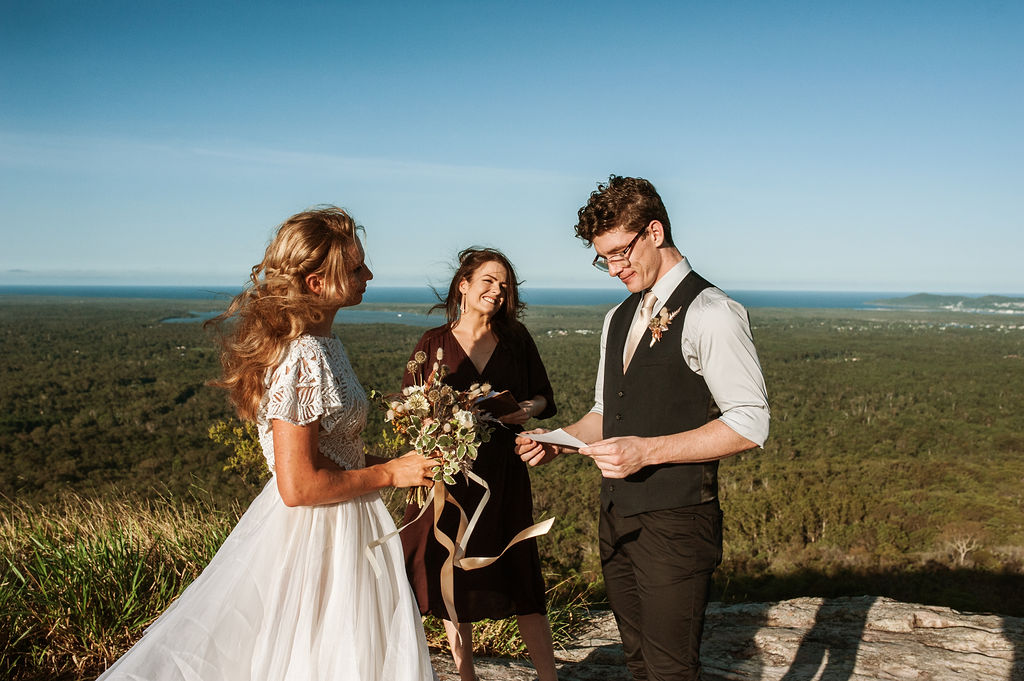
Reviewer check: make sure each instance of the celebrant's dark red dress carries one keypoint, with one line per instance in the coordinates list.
(512, 585)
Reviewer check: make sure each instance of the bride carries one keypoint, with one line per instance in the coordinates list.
(290, 595)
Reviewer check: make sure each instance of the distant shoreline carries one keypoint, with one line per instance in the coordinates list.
(954, 303)
(855, 300)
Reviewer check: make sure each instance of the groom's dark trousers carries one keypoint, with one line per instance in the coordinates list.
(657, 570)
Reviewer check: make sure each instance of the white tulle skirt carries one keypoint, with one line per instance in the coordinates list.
(291, 596)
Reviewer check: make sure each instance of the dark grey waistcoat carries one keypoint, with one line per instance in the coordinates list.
(658, 395)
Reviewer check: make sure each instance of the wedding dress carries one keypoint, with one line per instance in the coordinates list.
(291, 596)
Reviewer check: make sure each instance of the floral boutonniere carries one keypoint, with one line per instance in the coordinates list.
(659, 323)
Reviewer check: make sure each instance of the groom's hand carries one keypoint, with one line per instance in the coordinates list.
(532, 452)
(617, 457)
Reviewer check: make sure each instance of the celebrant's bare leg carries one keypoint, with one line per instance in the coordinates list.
(536, 632)
(461, 641)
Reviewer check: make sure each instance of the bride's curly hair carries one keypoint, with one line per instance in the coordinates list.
(277, 306)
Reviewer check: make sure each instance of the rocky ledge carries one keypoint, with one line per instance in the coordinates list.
(807, 639)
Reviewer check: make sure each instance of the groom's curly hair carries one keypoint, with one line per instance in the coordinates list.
(628, 202)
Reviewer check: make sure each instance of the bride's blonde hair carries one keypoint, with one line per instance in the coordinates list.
(277, 306)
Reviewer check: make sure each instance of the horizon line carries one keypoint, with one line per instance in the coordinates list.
(211, 288)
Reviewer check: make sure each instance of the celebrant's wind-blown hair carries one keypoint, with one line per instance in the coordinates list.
(470, 260)
(629, 202)
(276, 305)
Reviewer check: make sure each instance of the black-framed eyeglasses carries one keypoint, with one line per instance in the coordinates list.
(621, 258)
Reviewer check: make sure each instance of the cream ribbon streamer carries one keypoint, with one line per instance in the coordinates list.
(457, 549)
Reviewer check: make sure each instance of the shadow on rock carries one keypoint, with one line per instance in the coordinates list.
(830, 646)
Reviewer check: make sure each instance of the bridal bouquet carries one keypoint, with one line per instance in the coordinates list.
(447, 425)
(440, 422)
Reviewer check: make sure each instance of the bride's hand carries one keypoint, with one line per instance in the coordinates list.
(412, 469)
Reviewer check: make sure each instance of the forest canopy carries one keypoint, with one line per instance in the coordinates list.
(894, 465)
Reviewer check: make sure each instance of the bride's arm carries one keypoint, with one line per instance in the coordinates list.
(305, 477)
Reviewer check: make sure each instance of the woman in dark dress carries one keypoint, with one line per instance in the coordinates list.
(484, 342)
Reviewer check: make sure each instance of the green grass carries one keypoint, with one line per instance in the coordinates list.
(82, 578)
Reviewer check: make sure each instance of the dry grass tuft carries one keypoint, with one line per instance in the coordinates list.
(82, 578)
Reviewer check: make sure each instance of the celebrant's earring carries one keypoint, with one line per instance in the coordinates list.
(462, 305)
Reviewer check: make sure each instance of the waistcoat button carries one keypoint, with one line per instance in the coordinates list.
(621, 394)
(618, 417)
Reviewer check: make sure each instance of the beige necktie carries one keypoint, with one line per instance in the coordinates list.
(639, 326)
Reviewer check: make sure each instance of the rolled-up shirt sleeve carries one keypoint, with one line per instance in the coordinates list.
(718, 345)
(599, 383)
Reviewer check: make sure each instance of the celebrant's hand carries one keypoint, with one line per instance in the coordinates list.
(527, 408)
(617, 457)
(532, 452)
(411, 470)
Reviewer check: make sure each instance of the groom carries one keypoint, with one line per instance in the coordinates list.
(679, 387)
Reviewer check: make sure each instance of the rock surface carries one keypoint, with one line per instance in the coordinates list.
(807, 639)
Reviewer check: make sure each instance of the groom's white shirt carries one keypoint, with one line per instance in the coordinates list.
(716, 344)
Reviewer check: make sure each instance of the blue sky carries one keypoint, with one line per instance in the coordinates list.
(832, 146)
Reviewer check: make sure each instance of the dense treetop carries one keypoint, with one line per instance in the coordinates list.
(896, 445)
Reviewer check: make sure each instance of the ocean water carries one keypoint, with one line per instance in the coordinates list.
(856, 300)
(347, 315)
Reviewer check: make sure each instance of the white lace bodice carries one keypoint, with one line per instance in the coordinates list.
(315, 381)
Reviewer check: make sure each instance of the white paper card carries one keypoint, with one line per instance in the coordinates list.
(556, 437)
